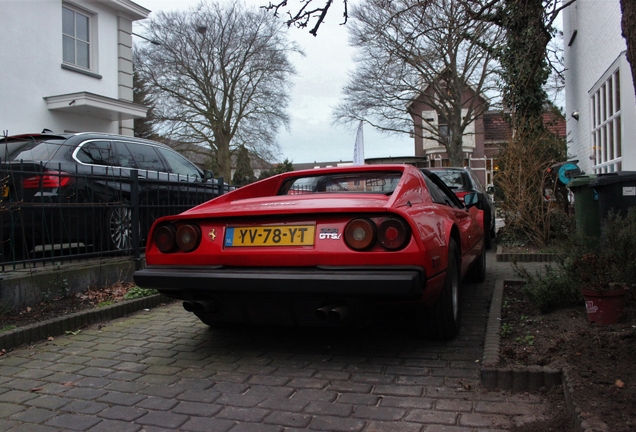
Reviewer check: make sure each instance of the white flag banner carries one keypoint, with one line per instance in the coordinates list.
(358, 150)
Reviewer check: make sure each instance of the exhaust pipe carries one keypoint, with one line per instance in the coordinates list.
(338, 313)
(201, 307)
(332, 313)
(323, 313)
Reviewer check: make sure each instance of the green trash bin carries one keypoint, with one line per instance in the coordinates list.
(586, 209)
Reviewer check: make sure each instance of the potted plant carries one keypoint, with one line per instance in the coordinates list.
(601, 285)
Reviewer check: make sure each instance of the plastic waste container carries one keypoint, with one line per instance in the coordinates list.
(586, 210)
(616, 192)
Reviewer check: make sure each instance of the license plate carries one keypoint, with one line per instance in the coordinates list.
(5, 191)
(271, 235)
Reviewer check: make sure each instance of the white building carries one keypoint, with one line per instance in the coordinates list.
(67, 66)
(600, 103)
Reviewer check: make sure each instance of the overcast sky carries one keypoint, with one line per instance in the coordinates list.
(322, 73)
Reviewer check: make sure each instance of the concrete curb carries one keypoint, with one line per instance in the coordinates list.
(524, 257)
(531, 379)
(519, 380)
(72, 322)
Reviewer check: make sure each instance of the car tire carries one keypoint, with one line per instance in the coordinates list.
(118, 231)
(488, 232)
(477, 271)
(442, 320)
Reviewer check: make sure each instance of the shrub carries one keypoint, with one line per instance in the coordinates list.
(137, 292)
(551, 289)
(586, 263)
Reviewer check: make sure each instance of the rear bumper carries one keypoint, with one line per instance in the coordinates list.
(394, 283)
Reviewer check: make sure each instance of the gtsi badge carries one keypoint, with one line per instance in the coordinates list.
(329, 234)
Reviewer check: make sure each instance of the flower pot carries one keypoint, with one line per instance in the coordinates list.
(604, 307)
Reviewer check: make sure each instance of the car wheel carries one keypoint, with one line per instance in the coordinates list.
(442, 320)
(477, 271)
(118, 233)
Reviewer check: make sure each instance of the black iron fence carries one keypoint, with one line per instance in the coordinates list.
(48, 217)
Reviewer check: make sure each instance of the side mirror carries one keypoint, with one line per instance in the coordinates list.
(471, 199)
(207, 175)
(490, 190)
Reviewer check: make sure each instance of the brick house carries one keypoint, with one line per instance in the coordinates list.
(481, 139)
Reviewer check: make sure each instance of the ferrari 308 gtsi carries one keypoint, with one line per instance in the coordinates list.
(329, 246)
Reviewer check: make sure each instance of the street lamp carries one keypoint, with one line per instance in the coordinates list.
(154, 42)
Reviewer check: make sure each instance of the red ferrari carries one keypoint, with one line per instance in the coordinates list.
(327, 246)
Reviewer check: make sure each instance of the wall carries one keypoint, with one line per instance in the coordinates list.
(32, 50)
(593, 42)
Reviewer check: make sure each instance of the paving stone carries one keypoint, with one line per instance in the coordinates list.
(23, 384)
(267, 380)
(34, 415)
(204, 396)
(163, 419)
(358, 399)
(197, 409)
(17, 396)
(93, 382)
(126, 387)
(240, 400)
(255, 427)
(330, 409)
(157, 403)
(84, 407)
(204, 424)
(395, 390)
(435, 417)
(378, 413)
(8, 409)
(337, 424)
(73, 422)
(377, 426)
(243, 414)
(116, 426)
(84, 393)
(34, 373)
(119, 398)
(49, 402)
(32, 427)
(124, 376)
(123, 413)
(276, 403)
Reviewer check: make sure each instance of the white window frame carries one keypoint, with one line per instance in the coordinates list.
(92, 42)
(605, 118)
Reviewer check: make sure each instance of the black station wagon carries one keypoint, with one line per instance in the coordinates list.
(76, 189)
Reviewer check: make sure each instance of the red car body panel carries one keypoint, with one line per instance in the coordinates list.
(258, 205)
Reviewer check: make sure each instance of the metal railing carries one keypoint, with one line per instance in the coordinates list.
(50, 217)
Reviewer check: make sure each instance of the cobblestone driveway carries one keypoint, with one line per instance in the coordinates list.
(164, 370)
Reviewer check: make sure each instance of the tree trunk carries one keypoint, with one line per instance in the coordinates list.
(223, 159)
(455, 151)
(628, 25)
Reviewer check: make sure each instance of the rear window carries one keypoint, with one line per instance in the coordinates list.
(29, 150)
(358, 182)
(452, 179)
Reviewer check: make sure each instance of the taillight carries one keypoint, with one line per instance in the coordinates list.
(164, 238)
(188, 237)
(393, 234)
(168, 239)
(360, 234)
(48, 180)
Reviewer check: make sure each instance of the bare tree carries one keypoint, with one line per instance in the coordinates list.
(306, 12)
(220, 77)
(409, 48)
